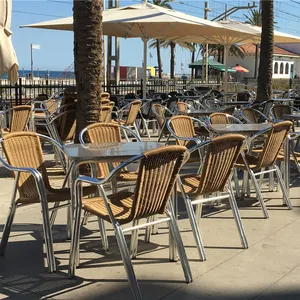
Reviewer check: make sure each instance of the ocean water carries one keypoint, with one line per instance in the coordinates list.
(45, 73)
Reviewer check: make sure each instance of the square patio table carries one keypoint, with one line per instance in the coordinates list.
(245, 129)
(201, 112)
(291, 117)
(109, 152)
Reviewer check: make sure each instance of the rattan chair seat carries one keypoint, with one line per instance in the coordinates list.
(252, 161)
(55, 195)
(120, 204)
(190, 184)
(281, 155)
(125, 175)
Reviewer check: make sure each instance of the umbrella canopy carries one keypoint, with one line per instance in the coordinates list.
(212, 64)
(240, 69)
(279, 37)
(8, 58)
(151, 21)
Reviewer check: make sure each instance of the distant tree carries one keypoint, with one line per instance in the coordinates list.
(218, 50)
(155, 43)
(254, 19)
(88, 58)
(172, 45)
(265, 71)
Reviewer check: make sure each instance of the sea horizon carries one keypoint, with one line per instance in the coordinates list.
(45, 74)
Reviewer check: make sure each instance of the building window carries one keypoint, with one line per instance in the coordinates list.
(276, 68)
(281, 68)
(287, 68)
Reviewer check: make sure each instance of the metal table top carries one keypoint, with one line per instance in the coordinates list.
(109, 152)
(202, 112)
(245, 129)
(291, 117)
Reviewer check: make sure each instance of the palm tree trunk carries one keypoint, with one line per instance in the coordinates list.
(256, 60)
(158, 59)
(88, 58)
(172, 60)
(193, 60)
(265, 71)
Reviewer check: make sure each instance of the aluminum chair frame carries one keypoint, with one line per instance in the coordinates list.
(261, 115)
(230, 118)
(119, 232)
(273, 168)
(44, 207)
(119, 114)
(275, 119)
(163, 128)
(195, 216)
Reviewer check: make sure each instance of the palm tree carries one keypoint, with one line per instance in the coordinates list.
(218, 49)
(265, 71)
(88, 58)
(254, 19)
(156, 43)
(172, 45)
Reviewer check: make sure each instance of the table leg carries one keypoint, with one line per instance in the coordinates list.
(71, 208)
(172, 245)
(286, 171)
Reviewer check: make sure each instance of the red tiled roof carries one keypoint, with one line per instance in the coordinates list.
(250, 49)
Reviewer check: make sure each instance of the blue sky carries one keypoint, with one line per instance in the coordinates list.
(56, 51)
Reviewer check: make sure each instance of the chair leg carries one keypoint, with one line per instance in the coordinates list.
(48, 236)
(125, 134)
(259, 194)
(198, 212)
(261, 178)
(155, 227)
(286, 197)
(271, 182)
(85, 218)
(7, 227)
(237, 217)
(54, 213)
(148, 230)
(73, 260)
(195, 228)
(136, 130)
(134, 240)
(236, 182)
(127, 263)
(181, 251)
(102, 230)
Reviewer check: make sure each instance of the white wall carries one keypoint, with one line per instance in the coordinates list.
(248, 62)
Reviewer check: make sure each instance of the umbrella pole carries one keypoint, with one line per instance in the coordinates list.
(145, 40)
(226, 52)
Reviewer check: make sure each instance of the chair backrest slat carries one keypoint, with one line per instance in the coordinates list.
(158, 168)
(220, 158)
(104, 133)
(219, 118)
(133, 111)
(160, 114)
(280, 109)
(19, 118)
(273, 143)
(250, 114)
(183, 126)
(105, 114)
(23, 149)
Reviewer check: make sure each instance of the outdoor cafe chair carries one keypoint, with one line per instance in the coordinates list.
(159, 168)
(222, 118)
(132, 109)
(266, 158)
(182, 106)
(278, 110)
(184, 130)
(104, 96)
(25, 159)
(214, 177)
(253, 116)
(162, 114)
(105, 114)
(104, 102)
(19, 117)
(101, 133)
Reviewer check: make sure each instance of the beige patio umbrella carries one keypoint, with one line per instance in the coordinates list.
(151, 21)
(8, 58)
